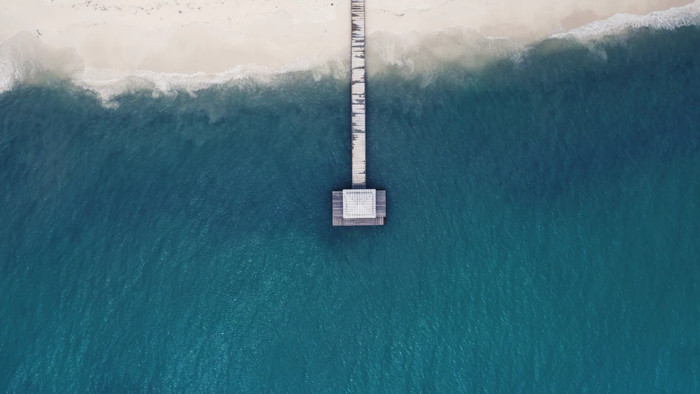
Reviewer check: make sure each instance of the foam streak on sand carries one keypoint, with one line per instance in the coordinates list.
(116, 46)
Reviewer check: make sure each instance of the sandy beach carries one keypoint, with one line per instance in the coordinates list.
(100, 41)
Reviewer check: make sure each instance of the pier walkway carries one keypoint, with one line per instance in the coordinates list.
(357, 65)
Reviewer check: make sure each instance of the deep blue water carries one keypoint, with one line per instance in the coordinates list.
(543, 231)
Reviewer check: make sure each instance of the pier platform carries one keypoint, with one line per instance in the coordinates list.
(359, 207)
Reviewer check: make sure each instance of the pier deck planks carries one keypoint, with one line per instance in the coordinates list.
(357, 65)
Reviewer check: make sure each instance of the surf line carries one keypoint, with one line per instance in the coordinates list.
(358, 206)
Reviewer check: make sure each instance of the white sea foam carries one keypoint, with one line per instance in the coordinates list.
(24, 59)
(32, 58)
(110, 83)
(688, 15)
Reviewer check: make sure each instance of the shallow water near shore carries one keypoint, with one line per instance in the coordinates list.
(541, 235)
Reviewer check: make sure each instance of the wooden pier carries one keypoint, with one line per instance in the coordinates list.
(358, 206)
(357, 65)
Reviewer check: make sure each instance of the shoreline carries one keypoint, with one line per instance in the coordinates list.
(115, 46)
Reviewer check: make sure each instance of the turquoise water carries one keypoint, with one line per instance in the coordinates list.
(542, 231)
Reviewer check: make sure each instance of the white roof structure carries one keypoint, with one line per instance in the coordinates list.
(359, 203)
